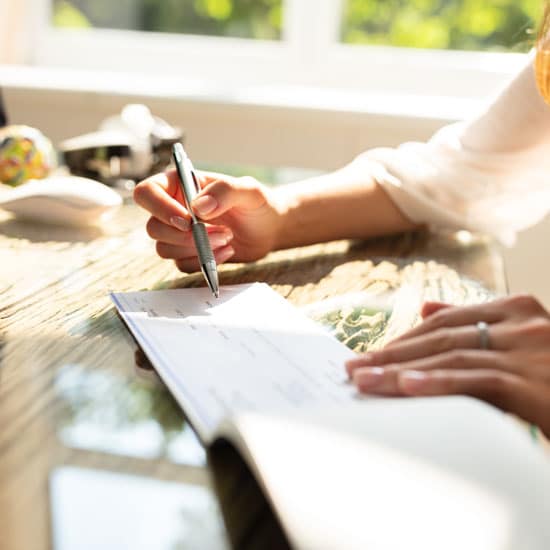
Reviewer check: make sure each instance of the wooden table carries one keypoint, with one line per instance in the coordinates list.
(89, 449)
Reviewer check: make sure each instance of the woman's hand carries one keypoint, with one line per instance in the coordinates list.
(242, 218)
(442, 356)
(246, 220)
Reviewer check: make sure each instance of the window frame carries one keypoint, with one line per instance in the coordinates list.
(308, 54)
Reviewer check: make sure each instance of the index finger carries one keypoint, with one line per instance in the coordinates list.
(206, 177)
(168, 181)
(161, 196)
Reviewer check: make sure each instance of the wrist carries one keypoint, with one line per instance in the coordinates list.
(285, 203)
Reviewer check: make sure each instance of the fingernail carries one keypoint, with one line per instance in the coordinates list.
(180, 223)
(204, 205)
(218, 239)
(412, 381)
(224, 254)
(368, 378)
(357, 362)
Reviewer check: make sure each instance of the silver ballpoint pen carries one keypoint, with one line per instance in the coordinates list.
(190, 190)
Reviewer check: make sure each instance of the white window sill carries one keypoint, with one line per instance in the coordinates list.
(288, 97)
(278, 125)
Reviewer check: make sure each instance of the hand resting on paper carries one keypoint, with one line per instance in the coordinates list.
(443, 356)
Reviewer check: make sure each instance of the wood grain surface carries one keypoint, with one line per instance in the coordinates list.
(70, 394)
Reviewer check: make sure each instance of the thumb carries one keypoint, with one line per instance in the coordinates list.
(223, 194)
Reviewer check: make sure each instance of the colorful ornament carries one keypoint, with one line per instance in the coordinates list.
(25, 153)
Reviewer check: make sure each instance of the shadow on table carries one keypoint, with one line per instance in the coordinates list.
(37, 232)
(311, 264)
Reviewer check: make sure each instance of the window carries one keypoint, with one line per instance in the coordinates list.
(440, 24)
(443, 24)
(380, 46)
(237, 18)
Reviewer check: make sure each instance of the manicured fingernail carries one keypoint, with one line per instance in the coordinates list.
(223, 254)
(180, 223)
(218, 239)
(412, 381)
(204, 205)
(357, 362)
(368, 378)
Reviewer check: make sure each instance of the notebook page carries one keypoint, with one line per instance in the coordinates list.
(249, 350)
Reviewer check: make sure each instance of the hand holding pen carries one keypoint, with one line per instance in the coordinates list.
(190, 189)
(242, 217)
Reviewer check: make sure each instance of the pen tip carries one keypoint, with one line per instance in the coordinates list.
(217, 293)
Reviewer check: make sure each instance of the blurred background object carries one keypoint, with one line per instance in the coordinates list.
(128, 146)
(25, 153)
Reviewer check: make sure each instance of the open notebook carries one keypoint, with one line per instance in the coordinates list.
(299, 460)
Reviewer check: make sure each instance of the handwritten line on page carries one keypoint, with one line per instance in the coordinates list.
(248, 350)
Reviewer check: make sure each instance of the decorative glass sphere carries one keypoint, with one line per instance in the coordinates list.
(25, 153)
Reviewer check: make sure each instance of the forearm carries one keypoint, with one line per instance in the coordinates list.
(346, 204)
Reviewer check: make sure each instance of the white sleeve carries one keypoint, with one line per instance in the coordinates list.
(489, 174)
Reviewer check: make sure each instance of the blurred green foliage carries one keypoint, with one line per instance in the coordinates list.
(237, 18)
(443, 24)
(67, 15)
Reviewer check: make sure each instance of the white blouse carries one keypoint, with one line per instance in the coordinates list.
(488, 174)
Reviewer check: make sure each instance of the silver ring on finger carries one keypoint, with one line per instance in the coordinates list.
(483, 330)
